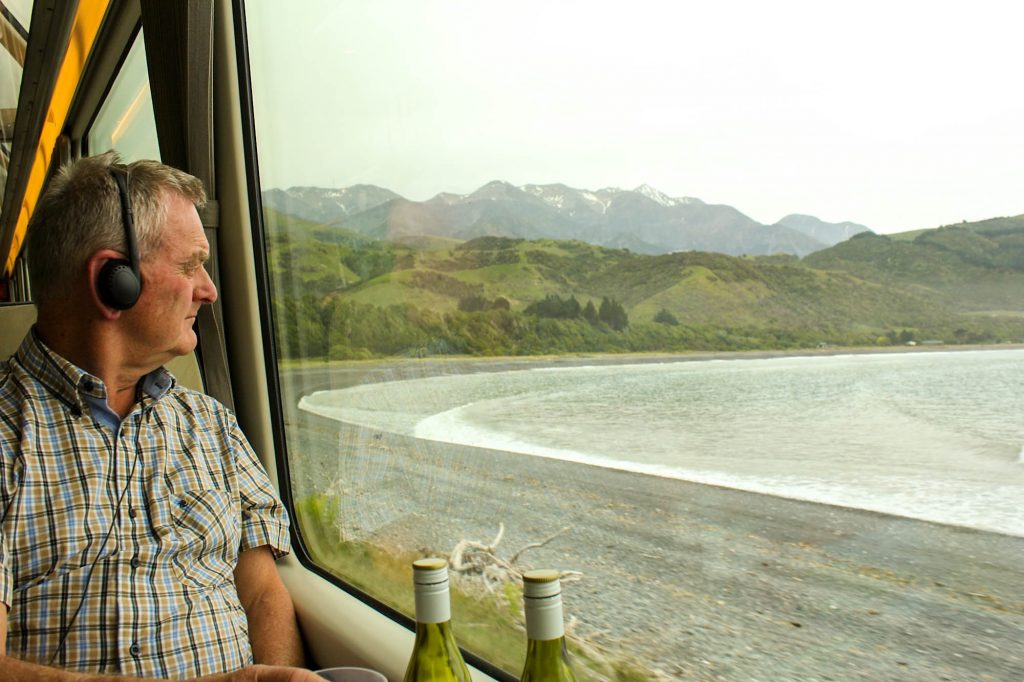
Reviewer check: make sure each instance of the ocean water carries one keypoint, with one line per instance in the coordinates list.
(936, 436)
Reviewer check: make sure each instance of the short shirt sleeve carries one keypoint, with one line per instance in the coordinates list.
(264, 518)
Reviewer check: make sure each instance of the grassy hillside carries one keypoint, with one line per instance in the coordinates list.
(338, 294)
(973, 267)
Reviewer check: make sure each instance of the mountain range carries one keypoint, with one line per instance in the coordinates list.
(343, 295)
(642, 220)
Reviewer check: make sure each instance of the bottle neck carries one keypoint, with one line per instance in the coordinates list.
(431, 631)
(547, 661)
(545, 649)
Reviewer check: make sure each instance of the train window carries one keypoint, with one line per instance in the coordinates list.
(125, 121)
(771, 433)
(14, 24)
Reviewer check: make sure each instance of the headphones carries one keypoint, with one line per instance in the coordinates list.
(119, 283)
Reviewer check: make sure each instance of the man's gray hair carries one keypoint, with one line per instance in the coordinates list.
(80, 214)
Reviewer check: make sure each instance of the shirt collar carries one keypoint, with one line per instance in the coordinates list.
(70, 383)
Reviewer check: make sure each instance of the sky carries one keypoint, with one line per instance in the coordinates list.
(897, 115)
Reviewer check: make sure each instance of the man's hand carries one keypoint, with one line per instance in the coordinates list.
(266, 673)
(13, 669)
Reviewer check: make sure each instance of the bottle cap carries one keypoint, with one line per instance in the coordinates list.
(429, 571)
(541, 583)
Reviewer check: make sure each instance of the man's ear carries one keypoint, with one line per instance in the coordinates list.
(92, 270)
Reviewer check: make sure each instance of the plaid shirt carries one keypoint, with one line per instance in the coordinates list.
(138, 527)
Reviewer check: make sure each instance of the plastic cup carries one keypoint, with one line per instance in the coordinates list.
(346, 674)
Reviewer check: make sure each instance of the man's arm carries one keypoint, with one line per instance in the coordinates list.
(273, 631)
(13, 669)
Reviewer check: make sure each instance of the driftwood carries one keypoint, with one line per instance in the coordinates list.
(472, 558)
(480, 562)
(533, 545)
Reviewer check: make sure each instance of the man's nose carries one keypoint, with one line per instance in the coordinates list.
(205, 290)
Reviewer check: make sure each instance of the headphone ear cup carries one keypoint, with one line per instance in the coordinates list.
(118, 285)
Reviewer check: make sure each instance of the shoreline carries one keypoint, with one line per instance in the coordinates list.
(837, 495)
(702, 582)
(573, 359)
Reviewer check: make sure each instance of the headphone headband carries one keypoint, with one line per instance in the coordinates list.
(120, 281)
(120, 174)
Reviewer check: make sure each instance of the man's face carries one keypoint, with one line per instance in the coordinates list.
(174, 285)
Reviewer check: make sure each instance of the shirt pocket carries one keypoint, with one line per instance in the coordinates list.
(207, 526)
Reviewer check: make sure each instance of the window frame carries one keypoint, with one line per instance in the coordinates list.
(83, 137)
(270, 356)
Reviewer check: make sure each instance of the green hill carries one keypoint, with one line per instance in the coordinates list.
(972, 267)
(319, 257)
(342, 295)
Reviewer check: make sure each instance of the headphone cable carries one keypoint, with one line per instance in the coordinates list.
(99, 553)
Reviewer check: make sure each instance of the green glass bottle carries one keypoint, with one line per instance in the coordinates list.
(547, 659)
(435, 655)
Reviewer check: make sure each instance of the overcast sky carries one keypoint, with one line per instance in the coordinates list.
(897, 115)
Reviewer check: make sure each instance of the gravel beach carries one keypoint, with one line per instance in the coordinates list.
(703, 583)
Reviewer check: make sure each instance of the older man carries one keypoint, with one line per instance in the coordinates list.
(138, 531)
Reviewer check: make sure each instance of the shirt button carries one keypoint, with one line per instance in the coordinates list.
(133, 512)
(182, 504)
(134, 650)
(135, 562)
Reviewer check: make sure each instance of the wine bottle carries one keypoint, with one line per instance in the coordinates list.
(435, 655)
(547, 659)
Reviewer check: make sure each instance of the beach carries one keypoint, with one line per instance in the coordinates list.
(701, 582)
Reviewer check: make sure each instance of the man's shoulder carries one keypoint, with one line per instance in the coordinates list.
(197, 404)
(19, 391)
(197, 416)
(15, 382)
(34, 373)
(183, 395)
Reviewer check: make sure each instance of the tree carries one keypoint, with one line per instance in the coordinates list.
(665, 317)
(553, 306)
(613, 314)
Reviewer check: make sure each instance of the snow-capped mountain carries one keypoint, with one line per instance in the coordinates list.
(327, 205)
(644, 220)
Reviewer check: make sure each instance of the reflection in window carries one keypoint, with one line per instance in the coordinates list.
(462, 281)
(125, 122)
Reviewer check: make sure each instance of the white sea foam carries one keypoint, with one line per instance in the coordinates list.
(983, 506)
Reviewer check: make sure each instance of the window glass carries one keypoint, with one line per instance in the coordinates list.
(14, 27)
(125, 121)
(716, 308)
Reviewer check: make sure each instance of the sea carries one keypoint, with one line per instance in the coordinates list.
(934, 435)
